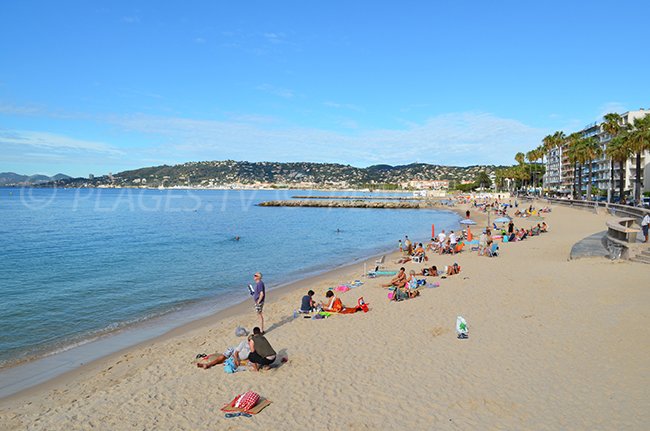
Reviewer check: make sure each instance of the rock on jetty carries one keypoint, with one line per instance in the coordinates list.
(387, 198)
(345, 204)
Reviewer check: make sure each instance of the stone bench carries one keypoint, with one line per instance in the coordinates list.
(620, 229)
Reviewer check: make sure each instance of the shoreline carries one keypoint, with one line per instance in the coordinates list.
(64, 360)
(33, 374)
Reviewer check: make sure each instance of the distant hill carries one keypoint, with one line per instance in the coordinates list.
(13, 179)
(231, 173)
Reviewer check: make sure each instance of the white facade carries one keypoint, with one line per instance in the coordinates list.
(559, 174)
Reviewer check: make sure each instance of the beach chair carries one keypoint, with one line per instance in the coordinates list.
(418, 259)
(380, 262)
(494, 250)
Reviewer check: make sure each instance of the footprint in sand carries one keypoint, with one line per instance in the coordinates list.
(437, 331)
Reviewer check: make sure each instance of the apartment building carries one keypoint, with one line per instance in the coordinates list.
(560, 175)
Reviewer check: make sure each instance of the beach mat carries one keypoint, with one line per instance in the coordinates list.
(351, 310)
(261, 405)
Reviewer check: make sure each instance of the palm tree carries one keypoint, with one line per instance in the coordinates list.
(613, 127)
(619, 151)
(547, 145)
(590, 150)
(575, 156)
(639, 140)
(519, 158)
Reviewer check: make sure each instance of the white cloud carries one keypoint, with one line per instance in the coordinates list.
(54, 142)
(459, 139)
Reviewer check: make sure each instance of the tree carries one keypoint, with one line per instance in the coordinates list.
(619, 151)
(591, 150)
(520, 157)
(639, 141)
(483, 180)
(575, 156)
(613, 127)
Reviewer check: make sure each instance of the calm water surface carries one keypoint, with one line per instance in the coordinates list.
(76, 264)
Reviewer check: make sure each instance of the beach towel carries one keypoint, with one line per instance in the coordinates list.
(350, 310)
(342, 288)
(261, 405)
(385, 272)
(248, 402)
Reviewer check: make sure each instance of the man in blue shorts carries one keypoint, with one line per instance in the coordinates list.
(259, 295)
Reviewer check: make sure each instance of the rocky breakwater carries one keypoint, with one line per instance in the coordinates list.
(362, 198)
(344, 204)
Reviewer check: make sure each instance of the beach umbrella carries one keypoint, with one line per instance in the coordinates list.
(502, 220)
(467, 221)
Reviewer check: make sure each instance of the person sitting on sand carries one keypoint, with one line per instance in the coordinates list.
(308, 305)
(431, 272)
(453, 269)
(402, 293)
(544, 227)
(333, 303)
(261, 352)
(399, 280)
(418, 254)
(411, 280)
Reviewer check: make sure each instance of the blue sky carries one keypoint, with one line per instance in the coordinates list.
(98, 87)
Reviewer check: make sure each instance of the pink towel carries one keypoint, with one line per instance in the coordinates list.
(342, 288)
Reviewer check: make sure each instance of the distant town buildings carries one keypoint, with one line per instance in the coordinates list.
(426, 184)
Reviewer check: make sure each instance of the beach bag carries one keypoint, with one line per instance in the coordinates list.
(229, 365)
(461, 327)
(362, 304)
(245, 401)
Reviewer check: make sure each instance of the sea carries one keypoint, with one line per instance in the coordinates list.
(80, 265)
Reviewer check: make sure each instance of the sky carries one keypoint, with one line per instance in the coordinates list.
(105, 86)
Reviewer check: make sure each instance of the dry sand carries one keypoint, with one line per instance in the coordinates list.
(554, 344)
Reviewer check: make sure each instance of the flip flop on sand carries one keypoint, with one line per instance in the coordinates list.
(234, 415)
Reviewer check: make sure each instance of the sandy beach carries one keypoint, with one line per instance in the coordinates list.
(553, 344)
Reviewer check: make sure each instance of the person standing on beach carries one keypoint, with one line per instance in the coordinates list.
(645, 223)
(259, 296)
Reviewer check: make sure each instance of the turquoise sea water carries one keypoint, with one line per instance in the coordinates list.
(76, 264)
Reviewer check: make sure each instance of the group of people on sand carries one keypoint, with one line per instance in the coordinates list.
(408, 285)
(256, 349)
